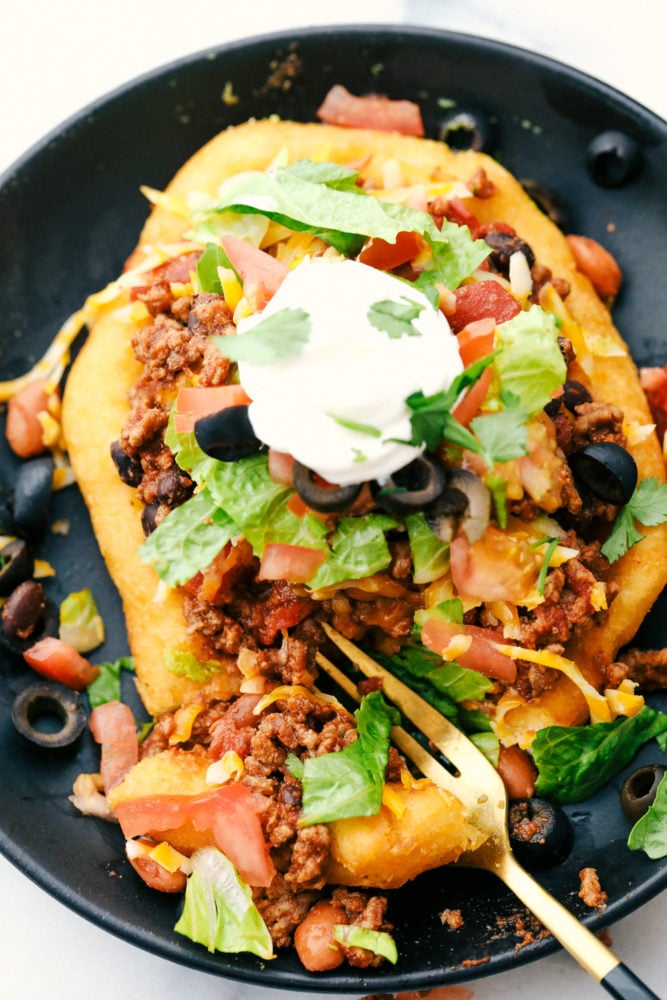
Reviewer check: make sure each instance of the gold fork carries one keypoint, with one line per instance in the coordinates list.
(480, 788)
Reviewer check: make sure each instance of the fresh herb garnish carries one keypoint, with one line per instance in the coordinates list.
(354, 425)
(648, 506)
(551, 544)
(281, 334)
(396, 319)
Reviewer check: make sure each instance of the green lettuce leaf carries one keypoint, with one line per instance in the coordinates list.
(575, 762)
(184, 664)
(349, 782)
(358, 549)
(649, 833)
(107, 684)
(81, 624)
(530, 363)
(188, 539)
(218, 911)
(356, 936)
(430, 556)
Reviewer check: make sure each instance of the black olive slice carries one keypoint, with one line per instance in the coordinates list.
(48, 716)
(227, 435)
(540, 833)
(129, 466)
(444, 515)
(607, 470)
(412, 488)
(16, 565)
(547, 201)
(468, 129)
(613, 158)
(31, 496)
(639, 789)
(326, 499)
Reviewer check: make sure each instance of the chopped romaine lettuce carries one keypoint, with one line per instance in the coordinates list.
(107, 684)
(80, 622)
(218, 911)
(185, 664)
(358, 549)
(355, 936)
(430, 556)
(530, 363)
(649, 833)
(349, 782)
(574, 762)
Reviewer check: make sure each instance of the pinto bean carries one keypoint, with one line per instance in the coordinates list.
(313, 938)
(594, 261)
(518, 771)
(157, 877)
(23, 429)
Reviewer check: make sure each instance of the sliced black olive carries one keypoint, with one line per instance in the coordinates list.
(639, 789)
(607, 470)
(31, 496)
(227, 435)
(468, 130)
(27, 616)
(16, 565)
(540, 833)
(503, 246)
(129, 466)
(548, 201)
(412, 488)
(444, 514)
(48, 716)
(613, 158)
(326, 499)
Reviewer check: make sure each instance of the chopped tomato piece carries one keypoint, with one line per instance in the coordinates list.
(23, 429)
(475, 342)
(497, 567)
(654, 384)
(457, 212)
(176, 269)
(340, 107)
(231, 813)
(385, 256)
(193, 402)
(281, 466)
(261, 274)
(294, 563)
(112, 725)
(480, 300)
(480, 654)
(60, 662)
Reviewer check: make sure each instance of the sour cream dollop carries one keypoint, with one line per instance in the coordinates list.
(339, 407)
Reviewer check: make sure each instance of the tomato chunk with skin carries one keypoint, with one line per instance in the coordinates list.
(261, 274)
(340, 107)
(294, 563)
(113, 727)
(480, 655)
(479, 300)
(475, 341)
(384, 256)
(60, 662)
(193, 402)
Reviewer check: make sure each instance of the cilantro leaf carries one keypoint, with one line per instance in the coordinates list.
(395, 318)
(503, 436)
(648, 506)
(354, 425)
(281, 334)
(430, 413)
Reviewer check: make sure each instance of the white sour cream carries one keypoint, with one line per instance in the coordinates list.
(348, 371)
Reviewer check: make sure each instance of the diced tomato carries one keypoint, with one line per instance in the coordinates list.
(281, 466)
(261, 274)
(193, 402)
(23, 430)
(176, 269)
(654, 384)
(231, 813)
(457, 212)
(283, 609)
(112, 725)
(480, 655)
(497, 567)
(217, 580)
(294, 563)
(475, 342)
(479, 300)
(385, 256)
(60, 662)
(340, 107)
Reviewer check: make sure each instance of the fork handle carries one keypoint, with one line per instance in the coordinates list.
(593, 956)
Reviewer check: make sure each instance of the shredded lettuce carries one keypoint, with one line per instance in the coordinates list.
(218, 911)
(349, 782)
(430, 556)
(530, 363)
(107, 684)
(574, 762)
(358, 549)
(649, 833)
(356, 936)
(188, 539)
(80, 622)
(184, 664)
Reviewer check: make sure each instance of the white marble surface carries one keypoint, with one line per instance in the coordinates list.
(57, 57)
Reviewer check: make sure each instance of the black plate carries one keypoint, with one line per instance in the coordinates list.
(70, 211)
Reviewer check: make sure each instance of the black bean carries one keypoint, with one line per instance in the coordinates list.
(503, 245)
(149, 517)
(23, 612)
(129, 466)
(173, 487)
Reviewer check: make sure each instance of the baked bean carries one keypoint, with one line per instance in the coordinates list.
(157, 877)
(518, 771)
(23, 429)
(314, 940)
(593, 260)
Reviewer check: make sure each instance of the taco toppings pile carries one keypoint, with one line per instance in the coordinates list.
(353, 377)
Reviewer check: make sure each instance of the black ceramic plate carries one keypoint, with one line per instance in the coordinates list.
(70, 212)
